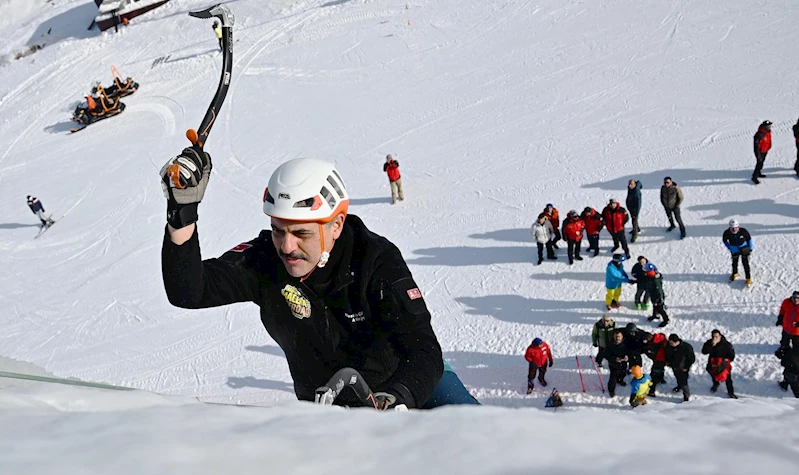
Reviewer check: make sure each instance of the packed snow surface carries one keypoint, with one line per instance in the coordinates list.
(493, 109)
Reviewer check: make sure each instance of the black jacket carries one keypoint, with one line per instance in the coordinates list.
(654, 287)
(636, 344)
(723, 349)
(736, 239)
(363, 310)
(681, 357)
(614, 351)
(639, 275)
(634, 199)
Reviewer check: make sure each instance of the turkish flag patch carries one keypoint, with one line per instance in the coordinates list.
(241, 247)
(414, 293)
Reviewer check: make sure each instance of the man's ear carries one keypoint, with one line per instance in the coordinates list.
(337, 225)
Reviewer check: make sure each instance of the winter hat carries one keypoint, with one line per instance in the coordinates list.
(612, 201)
(637, 371)
(389, 156)
(549, 205)
(631, 327)
(587, 210)
(673, 337)
(619, 258)
(537, 342)
(650, 269)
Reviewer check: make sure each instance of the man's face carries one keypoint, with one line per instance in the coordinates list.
(716, 337)
(618, 337)
(734, 230)
(667, 183)
(631, 185)
(674, 343)
(606, 321)
(795, 299)
(300, 244)
(642, 261)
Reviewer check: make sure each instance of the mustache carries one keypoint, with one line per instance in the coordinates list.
(293, 255)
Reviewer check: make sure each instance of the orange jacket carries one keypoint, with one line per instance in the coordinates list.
(789, 313)
(553, 218)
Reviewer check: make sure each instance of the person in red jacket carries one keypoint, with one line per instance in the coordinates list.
(656, 351)
(593, 225)
(537, 354)
(616, 217)
(391, 167)
(573, 228)
(554, 217)
(788, 319)
(762, 146)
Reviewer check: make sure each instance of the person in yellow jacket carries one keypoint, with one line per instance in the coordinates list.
(639, 386)
(218, 31)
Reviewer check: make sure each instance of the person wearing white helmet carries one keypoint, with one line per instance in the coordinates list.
(331, 293)
(740, 245)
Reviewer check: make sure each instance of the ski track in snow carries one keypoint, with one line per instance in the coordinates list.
(493, 111)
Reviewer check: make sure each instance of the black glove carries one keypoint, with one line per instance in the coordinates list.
(780, 353)
(550, 363)
(387, 401)
(779, 320)
(184, 179)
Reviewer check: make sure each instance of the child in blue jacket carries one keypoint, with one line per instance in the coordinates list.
(639, 386)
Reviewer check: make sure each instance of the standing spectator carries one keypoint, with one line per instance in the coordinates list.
(542, 235)
(554, 217)
(602, 335)
(641, 295)
(637, 342)
(656, 351)
(740, 245)
(721, 354)
(593, 225)
(538, 355)
(573, 227)
(680, 356)
(654, 285)
(634, 206)
(218, 32)
(789, 359)
(38, 209)
(391, 167)
(671, 198)
(788, 318)
(616, 353)
(614, 277)
(796, 139)
(640, 386)
(762, 146)
(615, 218)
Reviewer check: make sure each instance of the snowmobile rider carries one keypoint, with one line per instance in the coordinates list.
(38, 209)
(331, 293)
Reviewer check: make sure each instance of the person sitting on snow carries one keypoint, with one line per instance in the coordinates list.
(537, 354)
(639, 386)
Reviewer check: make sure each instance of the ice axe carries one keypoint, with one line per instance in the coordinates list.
(227, 19)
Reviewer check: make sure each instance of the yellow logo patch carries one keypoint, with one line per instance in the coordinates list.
(299, 305)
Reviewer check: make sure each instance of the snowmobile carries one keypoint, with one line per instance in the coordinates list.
(94, 109)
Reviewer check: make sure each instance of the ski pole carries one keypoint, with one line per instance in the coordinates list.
(601, 384)
(345, 378)
(227, 19)
(580, 371)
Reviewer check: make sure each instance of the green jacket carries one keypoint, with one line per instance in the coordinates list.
(602, 335)
(654, 285)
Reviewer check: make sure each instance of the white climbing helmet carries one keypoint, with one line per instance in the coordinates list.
(306, 189)
(734, 223)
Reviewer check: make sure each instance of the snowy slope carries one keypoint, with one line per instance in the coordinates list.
(493, 108)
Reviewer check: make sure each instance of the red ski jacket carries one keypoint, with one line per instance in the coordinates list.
(763, 140)
(719, 368)
(657, 348)
(593, 223)
(573, 229)
(392, 168)
(553, 218)
(539, 355)
(789, 313)
(615, 218)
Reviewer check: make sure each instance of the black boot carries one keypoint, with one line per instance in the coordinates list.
(715, 387)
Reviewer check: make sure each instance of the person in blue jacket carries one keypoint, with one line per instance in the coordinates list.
(634, 206)
(38, 209)
(614, 277)
(639, 386)
(450, 390)
(739, 242)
